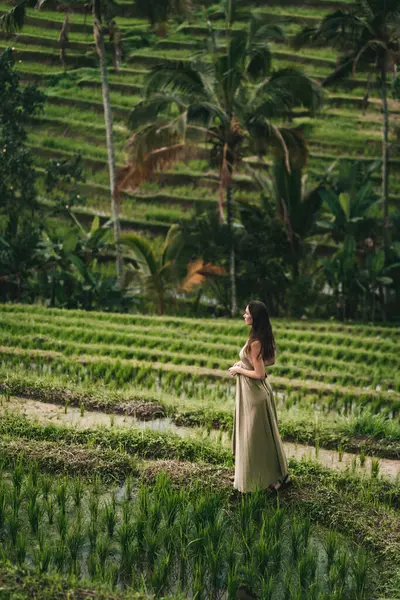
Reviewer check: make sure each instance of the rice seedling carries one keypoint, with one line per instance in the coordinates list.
(78, 491)
(46, 485)
(17, 476)
(61, 494)
(360, 574)
(331, 548)
(109, 517)
(13, 526)
(62, 524)
(34, 513)
(92, 533)
(60, 556)
(74, 542)
(16, 500)
(49, 508)
(307, 567)
(375, 466)
(3, 503)
(232, 582)
(97, 485)
(160, 574)
(20, 549)
(93, 507)
(102, 553)
(296, 539)
(340, 452)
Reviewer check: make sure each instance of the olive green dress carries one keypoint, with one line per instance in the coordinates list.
(256, 444)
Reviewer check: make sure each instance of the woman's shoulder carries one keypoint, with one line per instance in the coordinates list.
(256, 344)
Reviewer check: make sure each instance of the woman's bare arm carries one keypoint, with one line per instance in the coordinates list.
(257, 362)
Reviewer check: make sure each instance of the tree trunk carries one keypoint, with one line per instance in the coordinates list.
(229, 207)
(385, 161)
(99, 39)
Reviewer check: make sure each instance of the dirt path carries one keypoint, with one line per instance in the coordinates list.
(54, 413)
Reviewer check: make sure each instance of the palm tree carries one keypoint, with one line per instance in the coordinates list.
(159, 273)
(366, 35)
(115, 200)
(227, 97)
(297, 205)
(14, 21)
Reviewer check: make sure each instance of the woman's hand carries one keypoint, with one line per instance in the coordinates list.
(235, 369)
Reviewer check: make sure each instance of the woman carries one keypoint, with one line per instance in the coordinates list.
(260, 459)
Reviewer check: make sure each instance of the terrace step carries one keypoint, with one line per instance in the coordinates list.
(44, 23)
(49, 412)
(48, 58)
(123, 88)
(98, 107)
(87, 214)
(45, 42)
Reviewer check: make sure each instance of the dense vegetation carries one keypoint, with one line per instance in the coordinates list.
(111, 512)
(161, 157)
(317, 241)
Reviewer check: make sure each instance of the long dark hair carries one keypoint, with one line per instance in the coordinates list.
(261, 330)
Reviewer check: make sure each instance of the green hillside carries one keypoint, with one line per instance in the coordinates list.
(73, 115)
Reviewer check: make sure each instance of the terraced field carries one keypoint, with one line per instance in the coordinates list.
(73, 115)
(132, 417)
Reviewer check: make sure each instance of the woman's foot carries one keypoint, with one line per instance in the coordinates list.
(284, 482)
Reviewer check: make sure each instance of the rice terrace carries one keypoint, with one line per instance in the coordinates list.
(199, 300)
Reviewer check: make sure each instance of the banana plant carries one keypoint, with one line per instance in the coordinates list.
(71, 269)
(350, 203)
(160, 273)
(374, 278)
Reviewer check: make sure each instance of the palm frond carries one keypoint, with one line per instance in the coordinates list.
(259, 64)
(340, 29)
(203, 113)
(198, 272)
(296, 88)
(262, 31)
(173, 244)
(344, 68)
(14, 19)
(180, 77)
(134, 173)
(142, 252)
(147, 111)
(236, 50)
(368, 46)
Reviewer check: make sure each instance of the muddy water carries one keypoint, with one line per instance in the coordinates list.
(54, 413)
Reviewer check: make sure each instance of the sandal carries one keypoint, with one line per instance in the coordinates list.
(272, 488)
(286, 481)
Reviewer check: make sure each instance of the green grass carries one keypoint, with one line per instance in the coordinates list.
(163, 534)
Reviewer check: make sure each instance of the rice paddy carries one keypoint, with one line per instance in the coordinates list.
(115, 438)
(115, 429)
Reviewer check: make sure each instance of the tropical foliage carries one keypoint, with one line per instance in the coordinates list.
(227, 97)
(366, 36)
